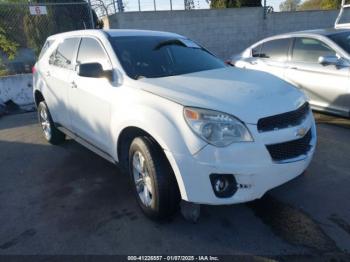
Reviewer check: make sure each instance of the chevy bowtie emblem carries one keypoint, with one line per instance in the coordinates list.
(301, 132)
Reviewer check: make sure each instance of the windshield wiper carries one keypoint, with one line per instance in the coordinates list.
(169, 42)
(138, 77)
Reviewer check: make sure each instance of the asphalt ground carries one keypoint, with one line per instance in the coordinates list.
(65, 200)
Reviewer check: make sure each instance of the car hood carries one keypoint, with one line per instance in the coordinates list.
(247, 94)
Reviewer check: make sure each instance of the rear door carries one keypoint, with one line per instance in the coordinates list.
(271, 56)
(323, 84)
(57, 76)
(90, 98)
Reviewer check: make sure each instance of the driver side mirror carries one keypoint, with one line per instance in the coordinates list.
(329, 60)
(94, 70)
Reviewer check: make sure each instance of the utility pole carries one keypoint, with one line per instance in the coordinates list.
(91, 16)
(189, 4)
(120, 6)
(115, 9)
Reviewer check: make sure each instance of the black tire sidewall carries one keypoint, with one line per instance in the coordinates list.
(43, 107)
(143, 146)
(57, 137)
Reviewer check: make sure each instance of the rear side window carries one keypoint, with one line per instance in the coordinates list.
(45, 47)
(64, 54)
(309, 50)
(91, 51)
(276, 50)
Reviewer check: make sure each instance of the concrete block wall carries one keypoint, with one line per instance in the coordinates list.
(17, 88)
(224, 31)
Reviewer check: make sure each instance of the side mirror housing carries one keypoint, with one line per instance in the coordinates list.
(94, 70)
(329, 60)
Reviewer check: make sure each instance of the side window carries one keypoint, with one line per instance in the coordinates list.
(52, 57)
(256, 51)
(45, 47)
(309, 50)
(90, 51)
(276, 50)
(64, 54)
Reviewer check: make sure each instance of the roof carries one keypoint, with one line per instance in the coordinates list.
(324, 32)
(134, 32)
(115, 33)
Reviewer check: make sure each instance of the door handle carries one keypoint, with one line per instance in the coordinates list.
(293, 68)
(73, 85)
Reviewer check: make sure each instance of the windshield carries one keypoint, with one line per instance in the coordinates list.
(159, 56)
(342, 39)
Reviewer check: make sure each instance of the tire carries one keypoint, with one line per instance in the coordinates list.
(50, 132)
(156, 177)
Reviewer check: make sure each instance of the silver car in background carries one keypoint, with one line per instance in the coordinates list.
(316, 61)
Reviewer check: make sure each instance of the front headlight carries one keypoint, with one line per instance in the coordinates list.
(217, 128)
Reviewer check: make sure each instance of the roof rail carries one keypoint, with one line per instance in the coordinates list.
(337, 24)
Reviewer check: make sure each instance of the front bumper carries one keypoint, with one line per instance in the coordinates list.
(250, 163)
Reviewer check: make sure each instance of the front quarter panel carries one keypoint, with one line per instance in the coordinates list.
(161, 118)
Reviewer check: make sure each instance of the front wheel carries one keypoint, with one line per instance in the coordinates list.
(154, 182)
(51, 133)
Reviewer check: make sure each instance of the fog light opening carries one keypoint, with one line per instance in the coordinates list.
(221, 185)
(224, 185)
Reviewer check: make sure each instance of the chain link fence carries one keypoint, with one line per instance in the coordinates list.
(108, 7)
(24, 28)
(302, 5)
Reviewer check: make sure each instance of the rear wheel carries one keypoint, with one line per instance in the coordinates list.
(51, 133)
(154, 182)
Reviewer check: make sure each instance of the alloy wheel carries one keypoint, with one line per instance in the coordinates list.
(142, 179)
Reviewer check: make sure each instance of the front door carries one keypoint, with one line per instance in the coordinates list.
(325, 85)
(90, 98)
(271, 56)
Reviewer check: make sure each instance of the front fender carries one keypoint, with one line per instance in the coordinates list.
(166, 126)
(165, 123)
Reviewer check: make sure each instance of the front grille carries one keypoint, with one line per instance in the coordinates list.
(289, 119)
(291, 149)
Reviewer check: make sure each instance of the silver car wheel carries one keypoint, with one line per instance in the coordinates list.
(142, 179)
(45, 123)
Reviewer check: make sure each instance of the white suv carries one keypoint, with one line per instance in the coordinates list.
(183, 124)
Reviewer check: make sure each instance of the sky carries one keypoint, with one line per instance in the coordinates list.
(132, 5)
(147, 5)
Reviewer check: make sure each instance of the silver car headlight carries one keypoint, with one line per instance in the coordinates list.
(216, 128)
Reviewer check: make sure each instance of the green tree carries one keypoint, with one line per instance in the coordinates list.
(234, 3)
(11, 21)
(289, 5)
(8, 47)
(320, 5)
(36, 30)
